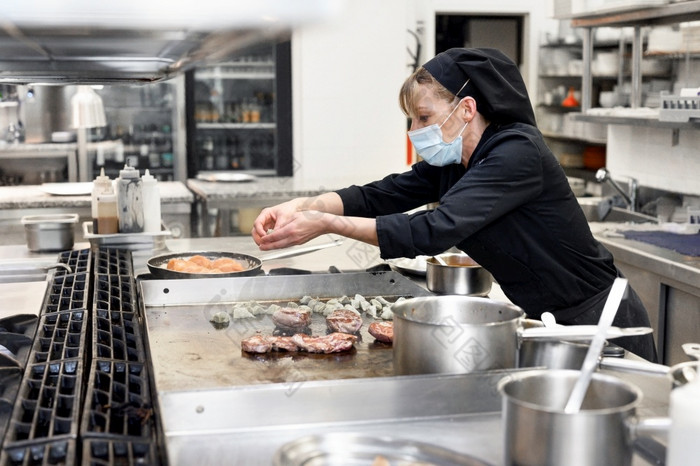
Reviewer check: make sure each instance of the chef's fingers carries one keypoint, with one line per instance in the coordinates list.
(265, 221)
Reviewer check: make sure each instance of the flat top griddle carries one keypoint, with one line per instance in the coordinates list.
(189, 353)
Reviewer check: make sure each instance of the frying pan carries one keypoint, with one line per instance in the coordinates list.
(157, 264)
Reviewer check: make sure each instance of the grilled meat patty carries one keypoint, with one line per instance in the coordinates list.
(332, 343)
(292, 318)
(382, 331)
(344, 321)
(266, 343)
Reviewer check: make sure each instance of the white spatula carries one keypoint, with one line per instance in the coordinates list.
(590, 363)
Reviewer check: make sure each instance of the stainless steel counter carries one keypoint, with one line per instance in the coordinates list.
(17, 201)
(246, 425)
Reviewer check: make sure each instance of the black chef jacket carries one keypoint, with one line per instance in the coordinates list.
(512, 210)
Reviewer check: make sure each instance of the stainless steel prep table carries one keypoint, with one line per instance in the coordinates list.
(457, 412)
(667, 282)
(227, 198)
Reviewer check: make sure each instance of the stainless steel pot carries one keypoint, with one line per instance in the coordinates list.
(462, 334)
(562, 354)
(538, 431)
(461, 276)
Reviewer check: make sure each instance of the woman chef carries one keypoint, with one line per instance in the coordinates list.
(503, 197)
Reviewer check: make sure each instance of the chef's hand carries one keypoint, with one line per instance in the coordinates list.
(295, 229)
(274, 217)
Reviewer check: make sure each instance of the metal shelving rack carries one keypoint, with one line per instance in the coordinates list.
(653, 16)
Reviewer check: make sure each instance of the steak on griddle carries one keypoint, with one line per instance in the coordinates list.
(332, 343)
(344, 321)
(382, 331)
(293, 318)
(266, 343)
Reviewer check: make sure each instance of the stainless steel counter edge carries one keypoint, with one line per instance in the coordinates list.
(661, 261)
(33, 197)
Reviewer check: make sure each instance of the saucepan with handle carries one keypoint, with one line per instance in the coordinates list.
(463, 334)
(250, 265)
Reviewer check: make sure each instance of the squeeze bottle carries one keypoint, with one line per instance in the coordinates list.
(151, 203)
(129, 201)
(102, 184)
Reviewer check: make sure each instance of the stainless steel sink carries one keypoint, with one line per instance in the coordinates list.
(596, 210)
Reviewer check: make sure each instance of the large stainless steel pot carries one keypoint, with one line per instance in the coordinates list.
(537, 431)
(462, 334)
(459, 275)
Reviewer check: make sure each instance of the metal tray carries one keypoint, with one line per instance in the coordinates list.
(349, 449)
(126, 240)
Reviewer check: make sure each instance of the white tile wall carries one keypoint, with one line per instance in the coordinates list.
(649, 155)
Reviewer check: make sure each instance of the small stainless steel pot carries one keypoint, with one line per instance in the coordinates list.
(461, 276)
(538, 431)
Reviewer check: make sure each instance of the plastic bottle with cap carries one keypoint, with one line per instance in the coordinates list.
(130, 201)
(684, 411)
(151, 203)
(102, 184)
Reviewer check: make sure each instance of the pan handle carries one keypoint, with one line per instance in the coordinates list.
(581, 332)
(634, 367)
(300, 251)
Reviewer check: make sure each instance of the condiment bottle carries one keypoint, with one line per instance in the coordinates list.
(151, 203)
(129, 201)
(107, 215)
(684, 411)
(102, 184)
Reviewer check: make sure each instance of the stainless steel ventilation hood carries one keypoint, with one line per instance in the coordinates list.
(88, 41)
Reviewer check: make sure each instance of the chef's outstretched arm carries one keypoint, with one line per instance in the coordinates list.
(302, 219)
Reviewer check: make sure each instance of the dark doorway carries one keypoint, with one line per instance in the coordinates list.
(501, 32)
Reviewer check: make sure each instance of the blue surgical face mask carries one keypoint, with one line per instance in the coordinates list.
(432, 147)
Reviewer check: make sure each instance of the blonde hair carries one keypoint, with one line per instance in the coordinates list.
(408, 95)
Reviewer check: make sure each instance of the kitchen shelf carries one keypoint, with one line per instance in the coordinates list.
(671, 13)
(236, 125)
(668, 14)
(565, 137)
(644, 121)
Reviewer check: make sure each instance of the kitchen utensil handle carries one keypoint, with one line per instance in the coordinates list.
(632, 366)
(591, 360)
(300, 251)
(582, 332)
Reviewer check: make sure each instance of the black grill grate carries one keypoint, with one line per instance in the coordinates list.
(109, 452)
(67, 292)
(78, 261)
(60, 335)
(115, 292)
(47, 405)
(113, 262)
(118, 401)
(58, 452)
(116, 335)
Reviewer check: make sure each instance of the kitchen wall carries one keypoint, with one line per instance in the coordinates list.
(346, 73)
(648, 155)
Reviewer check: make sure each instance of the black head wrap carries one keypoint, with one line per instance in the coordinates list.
(494, 82)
